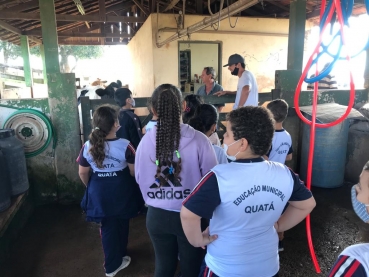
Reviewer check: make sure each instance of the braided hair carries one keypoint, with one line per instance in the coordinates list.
(102, 122)
(166, 102)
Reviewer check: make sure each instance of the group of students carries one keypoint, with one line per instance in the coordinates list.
(217, 210)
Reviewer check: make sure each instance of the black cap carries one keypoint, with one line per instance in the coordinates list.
(235, 59)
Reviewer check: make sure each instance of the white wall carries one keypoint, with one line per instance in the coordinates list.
(202, 55)
(262, 41)
(141, 61)
(264, 53)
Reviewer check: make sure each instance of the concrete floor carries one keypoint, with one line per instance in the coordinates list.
(58, 242)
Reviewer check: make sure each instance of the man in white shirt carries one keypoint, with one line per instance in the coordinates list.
(247, 89)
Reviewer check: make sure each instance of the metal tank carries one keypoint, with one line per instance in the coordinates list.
(4, 185)
(15, 161)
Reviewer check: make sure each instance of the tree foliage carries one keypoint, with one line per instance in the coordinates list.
(78, 52)
(12, 51)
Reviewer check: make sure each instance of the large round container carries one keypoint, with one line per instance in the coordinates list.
(4, 185)
(15, 161)
(357, 150)
(329, 155)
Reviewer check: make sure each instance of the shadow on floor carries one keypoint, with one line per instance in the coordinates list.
(58, 242)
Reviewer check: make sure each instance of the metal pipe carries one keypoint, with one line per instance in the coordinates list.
(184, 12)
(237, 7)
(174, 30)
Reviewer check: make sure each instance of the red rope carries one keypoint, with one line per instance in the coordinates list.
(313, 125)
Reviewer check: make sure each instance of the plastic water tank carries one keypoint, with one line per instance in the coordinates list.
(4, 185)
(330, 146)
(15, 161)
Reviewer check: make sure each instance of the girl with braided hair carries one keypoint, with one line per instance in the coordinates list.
(110, 188)
(171, 159)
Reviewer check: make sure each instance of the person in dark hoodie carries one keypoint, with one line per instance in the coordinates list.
(131, 127)
(131, 130)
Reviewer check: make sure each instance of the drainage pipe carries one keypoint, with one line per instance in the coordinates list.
(235, 8)
(174, 30)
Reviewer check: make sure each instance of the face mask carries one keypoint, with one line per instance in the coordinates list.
(133, 102)
(235, 71)
(225, 148)
(359, 208)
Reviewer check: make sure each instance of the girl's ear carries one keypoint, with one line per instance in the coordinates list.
(153, 112)
(213, 128)
(184, 105)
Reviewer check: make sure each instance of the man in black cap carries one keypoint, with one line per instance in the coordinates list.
(247, 89)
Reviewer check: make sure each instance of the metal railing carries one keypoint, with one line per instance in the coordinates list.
(88, 107)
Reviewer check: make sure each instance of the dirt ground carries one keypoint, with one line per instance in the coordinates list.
(58, 242)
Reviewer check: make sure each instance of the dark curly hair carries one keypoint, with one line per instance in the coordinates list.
(255, 124)
(121, 95)
(279, 109)
(205, 117)
(102, 122)
(193, 101)
(166, 101)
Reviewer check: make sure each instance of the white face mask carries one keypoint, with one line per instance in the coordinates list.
(225, 148)
(133, 102)
(359, 208)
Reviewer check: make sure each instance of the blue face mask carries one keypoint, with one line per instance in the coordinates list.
(225, 148)
(359, 208)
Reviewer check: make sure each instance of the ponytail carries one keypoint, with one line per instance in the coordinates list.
(102, 121)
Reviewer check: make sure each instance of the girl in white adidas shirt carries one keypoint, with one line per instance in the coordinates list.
(244, 201)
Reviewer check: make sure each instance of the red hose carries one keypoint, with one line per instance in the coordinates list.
(336, 5)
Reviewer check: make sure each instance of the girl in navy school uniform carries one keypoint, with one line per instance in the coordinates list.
(106, 167)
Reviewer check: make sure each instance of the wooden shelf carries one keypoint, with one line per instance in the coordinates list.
(7, 216)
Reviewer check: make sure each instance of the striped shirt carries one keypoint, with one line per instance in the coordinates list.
(353, 262)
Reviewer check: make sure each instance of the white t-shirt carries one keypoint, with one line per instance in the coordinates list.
(247, 79)
(281, 146)
(243, 200)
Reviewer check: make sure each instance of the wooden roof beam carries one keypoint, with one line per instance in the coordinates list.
(23, 7)
(170, 5)
(70, 26)
(83, 35)
(138, 4)
(14, 30)
(274, 3)
(74, 18)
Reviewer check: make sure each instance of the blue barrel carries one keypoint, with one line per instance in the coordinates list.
(15, 161)
(329, 154)
(4, 185)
